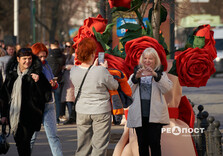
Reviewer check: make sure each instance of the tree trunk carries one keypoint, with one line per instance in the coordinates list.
(156, 19)
(54, 20)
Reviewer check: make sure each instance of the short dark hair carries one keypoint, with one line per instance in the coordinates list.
(24, 52)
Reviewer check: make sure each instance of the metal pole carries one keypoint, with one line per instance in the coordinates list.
(16, 20)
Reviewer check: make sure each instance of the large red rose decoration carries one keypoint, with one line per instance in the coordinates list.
(204, 31)
(135, 47)
(194, 67)
(118, 63)
(99, 23)
(120, 3)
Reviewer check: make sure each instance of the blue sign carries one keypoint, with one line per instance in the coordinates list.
(121, 21)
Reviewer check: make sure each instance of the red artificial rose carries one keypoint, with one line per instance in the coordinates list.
(117, 63)
(204, 31)
(186, 112)
(120, 3)
(99, 23)
(135, 47)
(194, 67)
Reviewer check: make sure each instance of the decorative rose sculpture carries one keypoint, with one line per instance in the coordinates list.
(120, 3)
(194, 67)
(204, 31)
(118, 63)
(135, 47)
(99, 23)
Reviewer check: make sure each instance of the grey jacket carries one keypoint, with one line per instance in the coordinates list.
(158, 107)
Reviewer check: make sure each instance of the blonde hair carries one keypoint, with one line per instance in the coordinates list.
(150, 51)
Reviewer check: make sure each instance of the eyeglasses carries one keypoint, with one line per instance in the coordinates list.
(67, 46)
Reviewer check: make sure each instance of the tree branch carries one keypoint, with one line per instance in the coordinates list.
(43, 25)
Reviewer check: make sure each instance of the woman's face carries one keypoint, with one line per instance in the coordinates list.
(42, 56)
(24, 62)
(149, 61)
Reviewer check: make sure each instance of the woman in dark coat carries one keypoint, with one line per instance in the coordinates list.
(24, 94)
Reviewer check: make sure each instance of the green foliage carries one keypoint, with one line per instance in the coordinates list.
(149, 29)
(134, 31)
(198, 42)
(103, 39)
(190, 41)
(163, 43)
(99, 38)
(173, 70)
(107, 33)
(130, 26)
(116, 52)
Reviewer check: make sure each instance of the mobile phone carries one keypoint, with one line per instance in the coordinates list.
(101, 57)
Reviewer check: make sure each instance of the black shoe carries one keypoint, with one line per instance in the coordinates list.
(70, 121)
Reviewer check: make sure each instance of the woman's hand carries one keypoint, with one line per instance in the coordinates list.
(145, 72)
(139, 73)
(150, 72)
(105, 64)
(35, 77)
(53, 83)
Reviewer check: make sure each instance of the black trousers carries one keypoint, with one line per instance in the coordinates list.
(149, 135)
(22, 138)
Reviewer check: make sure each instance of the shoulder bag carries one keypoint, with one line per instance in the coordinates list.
(72, 118)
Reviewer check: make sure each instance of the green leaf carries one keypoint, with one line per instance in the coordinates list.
(190, 41)
(144, 32)
(107, 33)
(198, 42)
(149, 29)
(140, 19)
(173, 70)
(116, 52)
(99, 38)
(130, 26)
(129, 35)
(162, 41)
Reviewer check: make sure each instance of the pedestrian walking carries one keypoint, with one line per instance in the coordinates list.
(49, 116)
(149, 112)
(24, 94)
(93, 105)
(67, 92)
(10, 50)
(56, 60)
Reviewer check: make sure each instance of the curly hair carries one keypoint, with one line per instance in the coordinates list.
(37, 47)
(85, 49)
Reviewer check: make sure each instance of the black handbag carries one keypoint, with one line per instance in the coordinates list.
(4, 145)
(72, 118)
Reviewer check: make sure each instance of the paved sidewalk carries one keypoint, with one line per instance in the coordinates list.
(68, 137)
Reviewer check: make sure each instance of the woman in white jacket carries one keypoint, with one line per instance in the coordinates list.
(149, 112)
